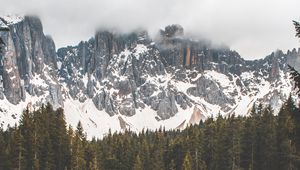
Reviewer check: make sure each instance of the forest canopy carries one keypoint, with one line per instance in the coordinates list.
(260, 140)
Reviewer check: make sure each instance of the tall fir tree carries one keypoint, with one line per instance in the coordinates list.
(284, 129)
(27, 131)
(187, 164)
(138, 165)
(248, 143)
(297, 27)
(266, 134)
(77, 156)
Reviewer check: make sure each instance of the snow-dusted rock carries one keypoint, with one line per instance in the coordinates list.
(130, 79)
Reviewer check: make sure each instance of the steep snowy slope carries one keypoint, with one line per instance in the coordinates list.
(118, 81)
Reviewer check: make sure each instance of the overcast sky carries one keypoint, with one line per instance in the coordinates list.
(254, 28)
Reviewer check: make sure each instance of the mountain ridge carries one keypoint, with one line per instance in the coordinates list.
(116, 80)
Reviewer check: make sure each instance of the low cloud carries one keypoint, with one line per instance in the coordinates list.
(254, 28)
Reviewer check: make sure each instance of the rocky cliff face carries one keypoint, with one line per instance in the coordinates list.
(29, 56)
(146, 84)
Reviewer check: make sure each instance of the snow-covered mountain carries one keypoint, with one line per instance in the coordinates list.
(117, 81)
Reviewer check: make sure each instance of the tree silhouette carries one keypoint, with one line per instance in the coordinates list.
(297, 27)
(295, 75)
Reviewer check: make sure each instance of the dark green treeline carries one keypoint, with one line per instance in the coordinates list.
(259, 141)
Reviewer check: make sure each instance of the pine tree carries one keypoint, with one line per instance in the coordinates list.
(223, 146)
(294, 128)
(16, 148)
(234, 127)
(297, 27)
(27, 131)
(187, 165)
(3, 156)
(145, 154)
(90, 157)
(195, 145)
(296, 135)
(157, 151)
(69, 158)
(44, 136)
(124, 151)
(295, 75)
(248, 143)
(210, 141)
(77, 157)
(138, 163)
(60, 140)
(266, 144)
(284, 128)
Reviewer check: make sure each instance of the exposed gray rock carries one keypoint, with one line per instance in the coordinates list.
(172, 31)
(27, 52)
(99, 100)
(167, 106)
(121, 73)
(127, 107)
(211, 92)
(109, 106)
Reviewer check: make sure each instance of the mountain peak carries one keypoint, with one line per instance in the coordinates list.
(11, 19)
(172, 31)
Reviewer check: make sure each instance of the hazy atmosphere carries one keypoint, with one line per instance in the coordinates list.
(254, 28)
